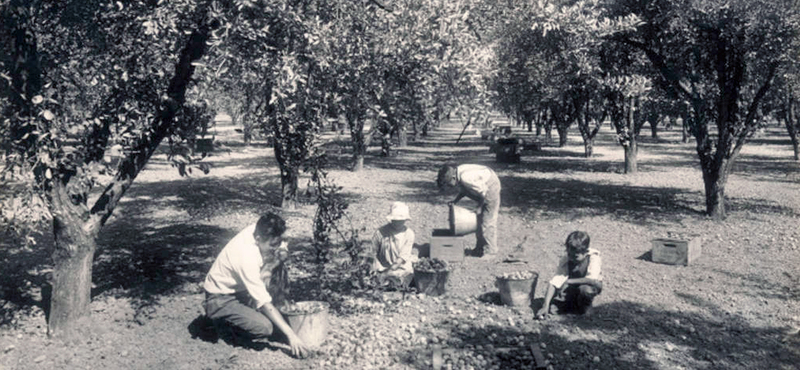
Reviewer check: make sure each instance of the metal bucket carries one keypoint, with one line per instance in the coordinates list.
(311, 325)
(517, 292)
(462, 221)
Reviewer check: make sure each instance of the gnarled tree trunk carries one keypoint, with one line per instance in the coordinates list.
(75, 244)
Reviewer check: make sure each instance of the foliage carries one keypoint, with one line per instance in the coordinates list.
(104, 69)
(721, 58)
(331, 220)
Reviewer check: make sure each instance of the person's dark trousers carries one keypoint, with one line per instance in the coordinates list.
(574, 298)
(232, 310)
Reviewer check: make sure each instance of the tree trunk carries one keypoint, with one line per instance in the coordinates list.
(631, 164)
(75, 235)
(72, 273)
(588, 147)
(791, 127)
(562, 135)
(548, 133)
(360, 142)
(358, 162)
(631, 147)
(539, 118)
(386, 145)
(289, 185)
(654, 128)
(684, 130)
(247, 134)
(714, 179)
(402, 136)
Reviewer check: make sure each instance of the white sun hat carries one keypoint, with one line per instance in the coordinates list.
(398, 211)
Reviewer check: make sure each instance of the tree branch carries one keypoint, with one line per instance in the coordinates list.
(147, 143)
(658, 60)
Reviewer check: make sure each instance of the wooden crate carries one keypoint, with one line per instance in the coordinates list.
(446, 246)
(676, 251)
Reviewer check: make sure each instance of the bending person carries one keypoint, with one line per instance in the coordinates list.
(480, 184)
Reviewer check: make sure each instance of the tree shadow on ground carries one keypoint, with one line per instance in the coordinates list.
(429, 161)
(23, 280)
(626, 335)
(148, 261)
(207, 330)
(150, 253)
(788, 291)
(575, 199)
(564, 164)
(767, 167)
(758, 167)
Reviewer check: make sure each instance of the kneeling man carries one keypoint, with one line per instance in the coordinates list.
(236, 293)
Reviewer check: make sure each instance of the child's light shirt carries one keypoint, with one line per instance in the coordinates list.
(474, 178)
(592, 271)
(238, 269)
(392, 246)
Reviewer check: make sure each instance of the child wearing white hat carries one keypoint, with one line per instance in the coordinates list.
(393, 243)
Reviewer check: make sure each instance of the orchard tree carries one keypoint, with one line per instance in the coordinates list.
(624, 97)
(784, 100)
(269, 57)
(91, 90)
(722, 58)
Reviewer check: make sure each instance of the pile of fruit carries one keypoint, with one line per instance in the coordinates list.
(431, 265)
(489, 359)
(517, 275)
(304, 308)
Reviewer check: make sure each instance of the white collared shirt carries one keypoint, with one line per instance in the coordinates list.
(238, 269)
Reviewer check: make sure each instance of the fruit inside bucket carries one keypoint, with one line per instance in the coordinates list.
(517, 288)
(309, 320)
(432, 283)
(462, 221)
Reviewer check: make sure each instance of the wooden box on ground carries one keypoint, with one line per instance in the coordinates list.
(446, 246)
(508, 150)
(676, 251)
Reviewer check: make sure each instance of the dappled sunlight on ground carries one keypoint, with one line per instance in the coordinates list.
(731, 309)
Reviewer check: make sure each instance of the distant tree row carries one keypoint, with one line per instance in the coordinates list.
(720, 65)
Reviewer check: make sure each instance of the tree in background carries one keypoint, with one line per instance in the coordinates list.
(785, 98)
(721, 57)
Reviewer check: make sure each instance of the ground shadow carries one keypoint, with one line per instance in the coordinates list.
(574, 199)
(636, 204)
(624, 335)
(491, 298)
(205, 329)
(24, 278)
(787, 291)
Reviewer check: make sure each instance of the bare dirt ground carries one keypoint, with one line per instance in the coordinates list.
(734, 308)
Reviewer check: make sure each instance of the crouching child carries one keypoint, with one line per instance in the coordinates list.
(577, 280)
